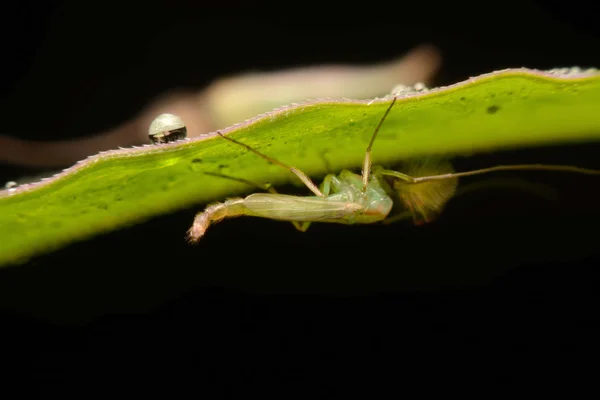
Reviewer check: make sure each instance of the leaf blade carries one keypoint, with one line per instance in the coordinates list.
(506, 109)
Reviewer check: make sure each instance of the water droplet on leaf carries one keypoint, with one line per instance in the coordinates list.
(167, 128)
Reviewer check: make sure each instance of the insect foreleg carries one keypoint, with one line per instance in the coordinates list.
(326, 189)
(326, 184)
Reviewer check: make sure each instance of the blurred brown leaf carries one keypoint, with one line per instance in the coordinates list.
(233, 99)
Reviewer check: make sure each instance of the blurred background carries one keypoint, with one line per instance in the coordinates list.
(500, 266)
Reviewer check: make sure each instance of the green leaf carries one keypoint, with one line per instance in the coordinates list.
(505, 109)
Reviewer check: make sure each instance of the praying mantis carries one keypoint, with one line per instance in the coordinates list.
(349, 198)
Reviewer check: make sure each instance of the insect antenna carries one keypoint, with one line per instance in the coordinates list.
(366, 170)
(518, 167)
(301, 175)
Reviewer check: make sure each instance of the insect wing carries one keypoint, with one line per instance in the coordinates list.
(426, 200)
(294, 208)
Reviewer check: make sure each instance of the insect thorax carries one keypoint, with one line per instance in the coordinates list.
(375, 203)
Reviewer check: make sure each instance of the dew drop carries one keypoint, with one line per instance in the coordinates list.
(167, 128)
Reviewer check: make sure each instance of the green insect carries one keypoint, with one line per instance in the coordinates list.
(349, 198)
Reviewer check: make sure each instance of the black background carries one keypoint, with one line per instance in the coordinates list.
(504, 282)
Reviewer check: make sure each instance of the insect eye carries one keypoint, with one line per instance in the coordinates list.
(167, 128)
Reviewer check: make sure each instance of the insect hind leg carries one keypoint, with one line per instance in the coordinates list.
(214, 213)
